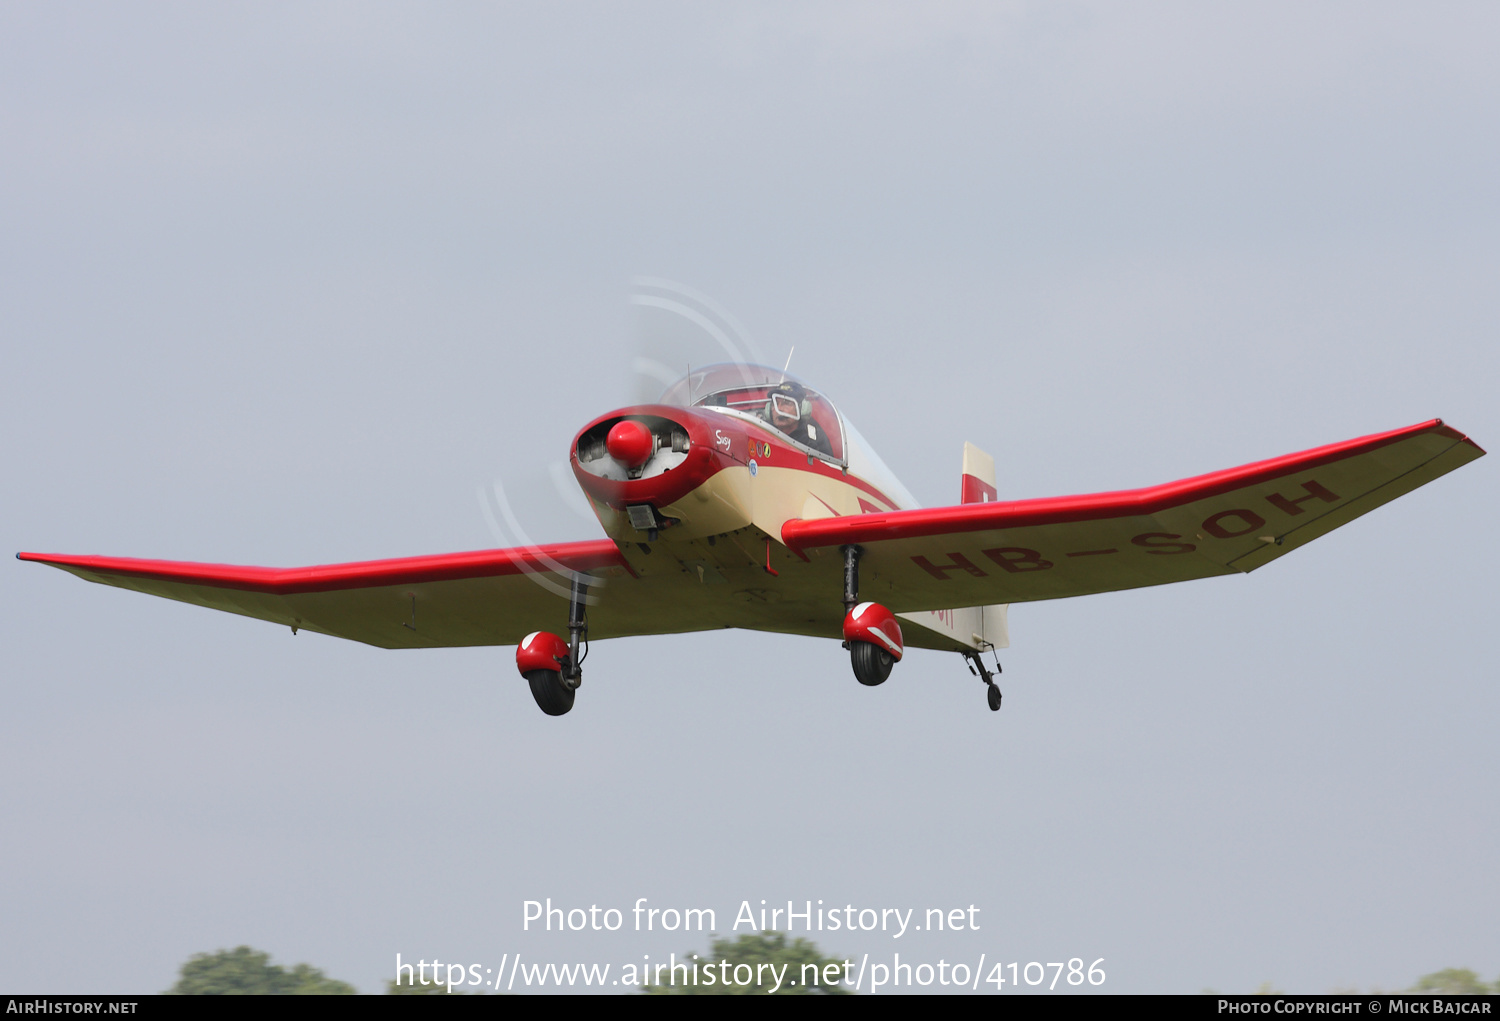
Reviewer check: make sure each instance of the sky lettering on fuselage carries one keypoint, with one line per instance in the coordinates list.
(1227, 524)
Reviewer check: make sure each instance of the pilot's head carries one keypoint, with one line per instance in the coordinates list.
(784, 406)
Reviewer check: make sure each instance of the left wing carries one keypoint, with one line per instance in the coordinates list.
(486, 597)
(1227, 522)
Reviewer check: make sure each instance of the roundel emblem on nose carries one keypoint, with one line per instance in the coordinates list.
(629, 443)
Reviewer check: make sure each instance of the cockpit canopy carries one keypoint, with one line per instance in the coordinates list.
(770, 396)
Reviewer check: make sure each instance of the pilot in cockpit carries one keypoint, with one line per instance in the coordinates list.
(788, 409)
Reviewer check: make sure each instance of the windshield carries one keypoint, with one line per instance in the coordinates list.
(782, 401)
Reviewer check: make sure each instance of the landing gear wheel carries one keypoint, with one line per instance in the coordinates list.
(872, 665)
(994, 697)
(553, 697)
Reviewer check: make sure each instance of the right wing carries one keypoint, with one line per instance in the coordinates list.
(487, 597)
(1227, 522)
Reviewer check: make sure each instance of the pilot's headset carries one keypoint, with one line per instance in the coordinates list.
(787, 397)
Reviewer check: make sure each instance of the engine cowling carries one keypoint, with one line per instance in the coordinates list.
(639, 465)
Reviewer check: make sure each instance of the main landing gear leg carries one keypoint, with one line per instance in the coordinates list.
(851, 575)
(578, 631)
(992, 692)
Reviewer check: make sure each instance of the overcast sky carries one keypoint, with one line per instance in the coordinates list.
(293, 284)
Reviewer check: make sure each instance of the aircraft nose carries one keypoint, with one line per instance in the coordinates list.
(647, 454)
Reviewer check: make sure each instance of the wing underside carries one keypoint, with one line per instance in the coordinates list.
(486, 597)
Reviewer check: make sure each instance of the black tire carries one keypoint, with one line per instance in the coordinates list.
(553, 697)
(872, 665)
(993, 695)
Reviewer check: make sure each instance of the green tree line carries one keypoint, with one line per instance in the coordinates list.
(244, 971)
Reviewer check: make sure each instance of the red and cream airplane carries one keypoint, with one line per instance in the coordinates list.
(744, 499)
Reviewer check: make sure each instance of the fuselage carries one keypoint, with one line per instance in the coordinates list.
(702, 483)
(720, 462)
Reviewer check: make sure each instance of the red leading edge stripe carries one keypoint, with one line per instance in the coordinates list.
(912, 524)
(574, 556)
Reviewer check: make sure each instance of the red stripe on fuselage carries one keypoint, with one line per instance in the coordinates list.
(784, 455)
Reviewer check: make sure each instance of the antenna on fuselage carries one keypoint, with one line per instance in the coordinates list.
(788, 365)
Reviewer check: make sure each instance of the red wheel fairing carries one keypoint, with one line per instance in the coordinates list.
(541, 650)
(873, 623)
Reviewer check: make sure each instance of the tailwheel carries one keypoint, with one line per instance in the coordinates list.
(553, 697)
(872, 665)
(992, 690)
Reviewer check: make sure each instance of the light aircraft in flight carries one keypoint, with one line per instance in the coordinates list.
(742, 498)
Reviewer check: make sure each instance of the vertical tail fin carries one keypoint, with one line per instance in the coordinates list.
(978, 477)
(993, 630)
